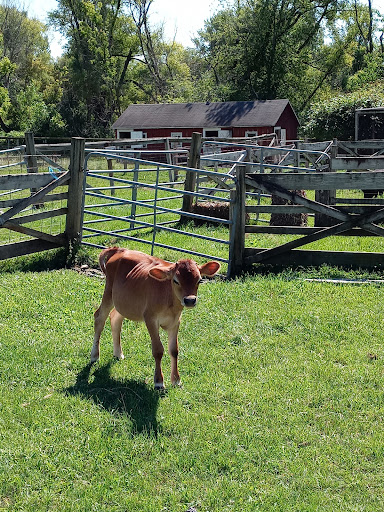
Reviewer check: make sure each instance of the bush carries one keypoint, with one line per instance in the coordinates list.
(335, 117)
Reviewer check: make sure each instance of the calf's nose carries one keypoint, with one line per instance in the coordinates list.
(190, 301)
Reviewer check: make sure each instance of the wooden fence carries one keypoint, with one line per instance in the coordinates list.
(359, 218)
(36, 189)
(265, 171)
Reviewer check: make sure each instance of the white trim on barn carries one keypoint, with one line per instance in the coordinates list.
(251, 133)
(176, 135)
(132, 134)
(281, 134)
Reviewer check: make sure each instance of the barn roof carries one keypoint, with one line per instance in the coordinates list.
(198, 115)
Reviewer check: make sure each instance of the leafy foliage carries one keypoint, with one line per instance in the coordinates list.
(335, 118)
(311, 53)
(267, 49)
(28, 89)
(101, 44)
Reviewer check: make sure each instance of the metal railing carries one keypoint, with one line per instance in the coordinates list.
(142, 197)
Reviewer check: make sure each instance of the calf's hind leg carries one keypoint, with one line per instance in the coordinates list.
(116, 324)
(100, 316)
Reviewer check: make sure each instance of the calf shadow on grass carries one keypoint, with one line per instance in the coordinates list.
(130, 398)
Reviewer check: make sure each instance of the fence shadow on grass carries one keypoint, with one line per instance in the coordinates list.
(130, 398)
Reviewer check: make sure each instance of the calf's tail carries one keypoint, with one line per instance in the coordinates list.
(105, 255)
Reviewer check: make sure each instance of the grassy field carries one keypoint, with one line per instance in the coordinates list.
(281, 409)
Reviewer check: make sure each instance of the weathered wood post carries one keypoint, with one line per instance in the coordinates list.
(326, 196)
(190, 178)
(237, 229)
(30, 153)
(75, 203)
(250, 159)
(111, 181)
(167, 146)
(296, 155)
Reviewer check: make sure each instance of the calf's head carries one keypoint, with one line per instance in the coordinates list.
(186, 277)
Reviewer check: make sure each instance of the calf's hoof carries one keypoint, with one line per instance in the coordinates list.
(119, 357)
(159, 385)
(94, 358)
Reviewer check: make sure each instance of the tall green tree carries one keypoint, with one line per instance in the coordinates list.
(114, 58)
(264, 49)
(28, 90)
(102, 42)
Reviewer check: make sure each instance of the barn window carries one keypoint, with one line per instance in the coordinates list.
(176, 135)
(211, 133)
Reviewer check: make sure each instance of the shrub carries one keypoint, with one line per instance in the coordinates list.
(335, 117)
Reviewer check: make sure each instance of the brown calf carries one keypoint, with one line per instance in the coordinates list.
(144, 288)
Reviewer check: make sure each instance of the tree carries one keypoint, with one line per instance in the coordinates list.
(264, 49)
(102, 42)
(335, 117)
(161, 74)
(113, 58)
(26, 73)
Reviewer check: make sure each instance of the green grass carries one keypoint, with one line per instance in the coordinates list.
(281, 409)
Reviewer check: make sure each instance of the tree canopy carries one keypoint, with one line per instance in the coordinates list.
(318, 54)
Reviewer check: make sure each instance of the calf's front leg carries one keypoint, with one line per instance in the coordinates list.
(157, 351)
(100, 316)
(173, 349)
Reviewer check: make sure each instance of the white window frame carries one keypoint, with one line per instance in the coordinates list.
(176, 135)
(281, 133)
(205, 130)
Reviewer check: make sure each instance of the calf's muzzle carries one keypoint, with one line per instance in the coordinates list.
(189, 301)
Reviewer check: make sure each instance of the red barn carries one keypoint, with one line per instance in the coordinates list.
(225, 120)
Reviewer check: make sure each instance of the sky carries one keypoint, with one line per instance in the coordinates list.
(181, 18)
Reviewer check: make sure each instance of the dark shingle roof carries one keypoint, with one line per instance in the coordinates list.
(202, 115)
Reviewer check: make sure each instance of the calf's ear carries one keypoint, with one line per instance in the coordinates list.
(161, 273)
(210, 268)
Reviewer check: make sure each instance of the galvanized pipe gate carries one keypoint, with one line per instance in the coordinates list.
(139, 204)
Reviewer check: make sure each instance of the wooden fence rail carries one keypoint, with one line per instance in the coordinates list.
(41, 185)
(351, 220)
(346, 166)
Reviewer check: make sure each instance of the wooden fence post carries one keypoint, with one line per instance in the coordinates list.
(326, 196)
(190, 178)
(73, 229)
(111, 181)
(171, 172)
(237, 229)
(30, 151)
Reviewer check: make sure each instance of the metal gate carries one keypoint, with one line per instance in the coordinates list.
(140, 202)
